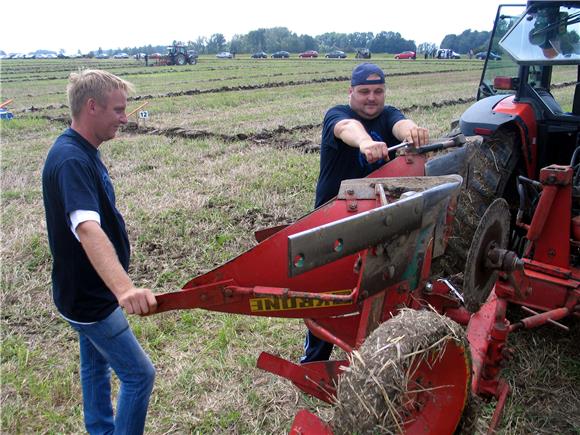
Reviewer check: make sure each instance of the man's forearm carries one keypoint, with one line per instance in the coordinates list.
(407, 130)
(103, 257)
(403, 128)
(351, 132)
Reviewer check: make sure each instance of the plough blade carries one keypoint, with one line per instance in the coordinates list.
(315, 378)
(307, 423)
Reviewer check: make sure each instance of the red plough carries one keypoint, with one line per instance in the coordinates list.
(354, 263)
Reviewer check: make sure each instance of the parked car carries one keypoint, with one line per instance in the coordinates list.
(259, 55)
(482, 55)
(406, 55)
(102, 56)
(281, 55)
(308, 53)
(121, 56)
(224, 55)
(336, 54)
(447, 53)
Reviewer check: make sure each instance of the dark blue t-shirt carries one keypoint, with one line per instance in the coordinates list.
(75, 178)
(339, 161)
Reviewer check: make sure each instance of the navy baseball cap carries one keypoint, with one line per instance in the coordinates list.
(361, 73)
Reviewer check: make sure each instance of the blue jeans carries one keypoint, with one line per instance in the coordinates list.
(315, 349)
(107, 344)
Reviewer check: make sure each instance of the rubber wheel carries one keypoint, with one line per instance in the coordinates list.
(411, 375)
(192, 60)
(180, 59)
(488, 175)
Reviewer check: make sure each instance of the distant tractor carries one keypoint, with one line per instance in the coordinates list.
(363, 53)
(178, 55)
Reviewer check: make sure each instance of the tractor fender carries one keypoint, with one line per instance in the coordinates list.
(482, 118)
(487, 116)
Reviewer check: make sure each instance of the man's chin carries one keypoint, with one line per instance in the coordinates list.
(371, 113)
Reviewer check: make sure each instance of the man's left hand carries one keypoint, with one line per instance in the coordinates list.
(418, 136)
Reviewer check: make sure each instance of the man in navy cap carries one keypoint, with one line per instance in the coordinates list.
(355, 140)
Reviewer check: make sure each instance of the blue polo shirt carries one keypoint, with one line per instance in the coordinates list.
(339, 161)
(75, 178)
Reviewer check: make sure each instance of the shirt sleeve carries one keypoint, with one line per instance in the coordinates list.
(77, 185)
(77, 217)
(332, 117)
(393, 115)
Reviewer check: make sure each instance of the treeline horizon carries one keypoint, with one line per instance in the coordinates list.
(281, 38)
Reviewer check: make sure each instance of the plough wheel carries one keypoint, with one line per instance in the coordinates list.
(492, 232)
(412, 376)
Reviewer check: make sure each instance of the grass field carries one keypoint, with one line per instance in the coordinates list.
(227, 149)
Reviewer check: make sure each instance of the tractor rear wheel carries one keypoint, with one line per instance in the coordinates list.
(180, 59)
(411, 375)
(489, 174)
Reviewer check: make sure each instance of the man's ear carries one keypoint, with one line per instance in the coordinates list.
(91, 105)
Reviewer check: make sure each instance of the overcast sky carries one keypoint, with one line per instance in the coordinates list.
(29, 25)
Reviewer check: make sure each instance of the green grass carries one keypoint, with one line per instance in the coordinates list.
(192, 204)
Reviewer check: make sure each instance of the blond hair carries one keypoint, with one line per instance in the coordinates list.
(92, 83)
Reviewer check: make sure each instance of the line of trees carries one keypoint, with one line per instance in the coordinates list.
(468, 40)
(281, 38)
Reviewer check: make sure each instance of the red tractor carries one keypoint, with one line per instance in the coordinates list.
(358, 269)
(528, 110)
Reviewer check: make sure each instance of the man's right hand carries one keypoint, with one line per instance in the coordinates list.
(138, 301)
(374, 151)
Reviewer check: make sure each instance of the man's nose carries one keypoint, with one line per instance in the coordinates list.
(123, 119)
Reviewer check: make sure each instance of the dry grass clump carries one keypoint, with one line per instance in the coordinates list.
(372, 393)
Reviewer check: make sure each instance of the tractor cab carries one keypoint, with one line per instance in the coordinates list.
(534, 87)
(545, 37)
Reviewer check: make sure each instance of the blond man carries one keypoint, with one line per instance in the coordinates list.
(90, 250)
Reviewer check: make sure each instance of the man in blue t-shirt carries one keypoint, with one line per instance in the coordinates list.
(90, 251)
(355, 141)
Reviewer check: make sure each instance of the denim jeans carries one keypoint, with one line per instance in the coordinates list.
(315, 349)
(107, 344)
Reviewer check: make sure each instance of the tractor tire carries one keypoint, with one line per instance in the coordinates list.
(412, 373)
(488, 174)
(192, 60)
(180, 60)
